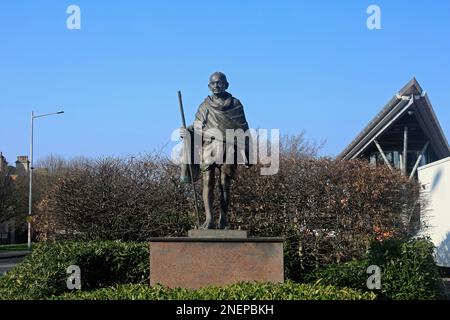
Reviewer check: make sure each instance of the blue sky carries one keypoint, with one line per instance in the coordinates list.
(295, 65)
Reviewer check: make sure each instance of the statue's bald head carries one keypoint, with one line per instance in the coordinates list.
(218, 83)
(218, 76)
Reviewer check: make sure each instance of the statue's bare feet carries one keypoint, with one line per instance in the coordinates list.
(207, 225)
(223, 223)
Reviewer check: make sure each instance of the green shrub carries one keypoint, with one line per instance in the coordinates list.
(241, 291)
(351, 274)
(102, 264)
(408, 270)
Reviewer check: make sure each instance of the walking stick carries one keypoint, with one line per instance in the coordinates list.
(188, 147)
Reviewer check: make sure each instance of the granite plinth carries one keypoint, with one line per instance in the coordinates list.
(192, 263)
(216, 233)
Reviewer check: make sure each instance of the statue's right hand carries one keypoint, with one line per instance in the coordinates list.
(184, 132)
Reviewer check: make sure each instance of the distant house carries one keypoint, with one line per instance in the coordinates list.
(404, 135)
(3, 164)
(22, 166)
(5, 226)
(8, 231)
(8, 227)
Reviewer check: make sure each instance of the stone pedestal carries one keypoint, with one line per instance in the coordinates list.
(215, 233)
(217, 258)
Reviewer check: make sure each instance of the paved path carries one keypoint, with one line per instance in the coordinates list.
(8, 259)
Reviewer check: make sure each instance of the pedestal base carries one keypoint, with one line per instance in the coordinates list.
(199, 262)
(217, 233)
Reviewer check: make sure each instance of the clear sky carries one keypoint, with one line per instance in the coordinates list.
(295, 65)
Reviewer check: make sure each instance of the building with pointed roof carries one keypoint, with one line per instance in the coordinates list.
(3, 164)
(404, 135)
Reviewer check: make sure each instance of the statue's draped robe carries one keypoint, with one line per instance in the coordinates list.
(219, 114)
(222, 114)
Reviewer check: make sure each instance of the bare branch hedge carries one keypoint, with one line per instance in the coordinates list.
(327, 210)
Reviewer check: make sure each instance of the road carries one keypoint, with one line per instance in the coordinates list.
(8, 259)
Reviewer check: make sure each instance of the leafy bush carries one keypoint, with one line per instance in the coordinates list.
(351, 274)
(408, 270)
(102, 264)
(241, 291)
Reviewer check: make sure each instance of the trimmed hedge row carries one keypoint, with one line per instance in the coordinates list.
(103, 264)
(241, 291)
(408, 270)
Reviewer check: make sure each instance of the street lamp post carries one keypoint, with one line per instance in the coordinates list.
(30, 197)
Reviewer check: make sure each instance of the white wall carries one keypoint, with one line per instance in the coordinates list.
(435, 180)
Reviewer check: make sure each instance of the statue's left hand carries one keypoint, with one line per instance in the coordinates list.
(184, 133)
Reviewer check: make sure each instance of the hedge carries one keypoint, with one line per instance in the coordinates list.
(408, 270)
(240, 291)
(102, 264)
(327, 210)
